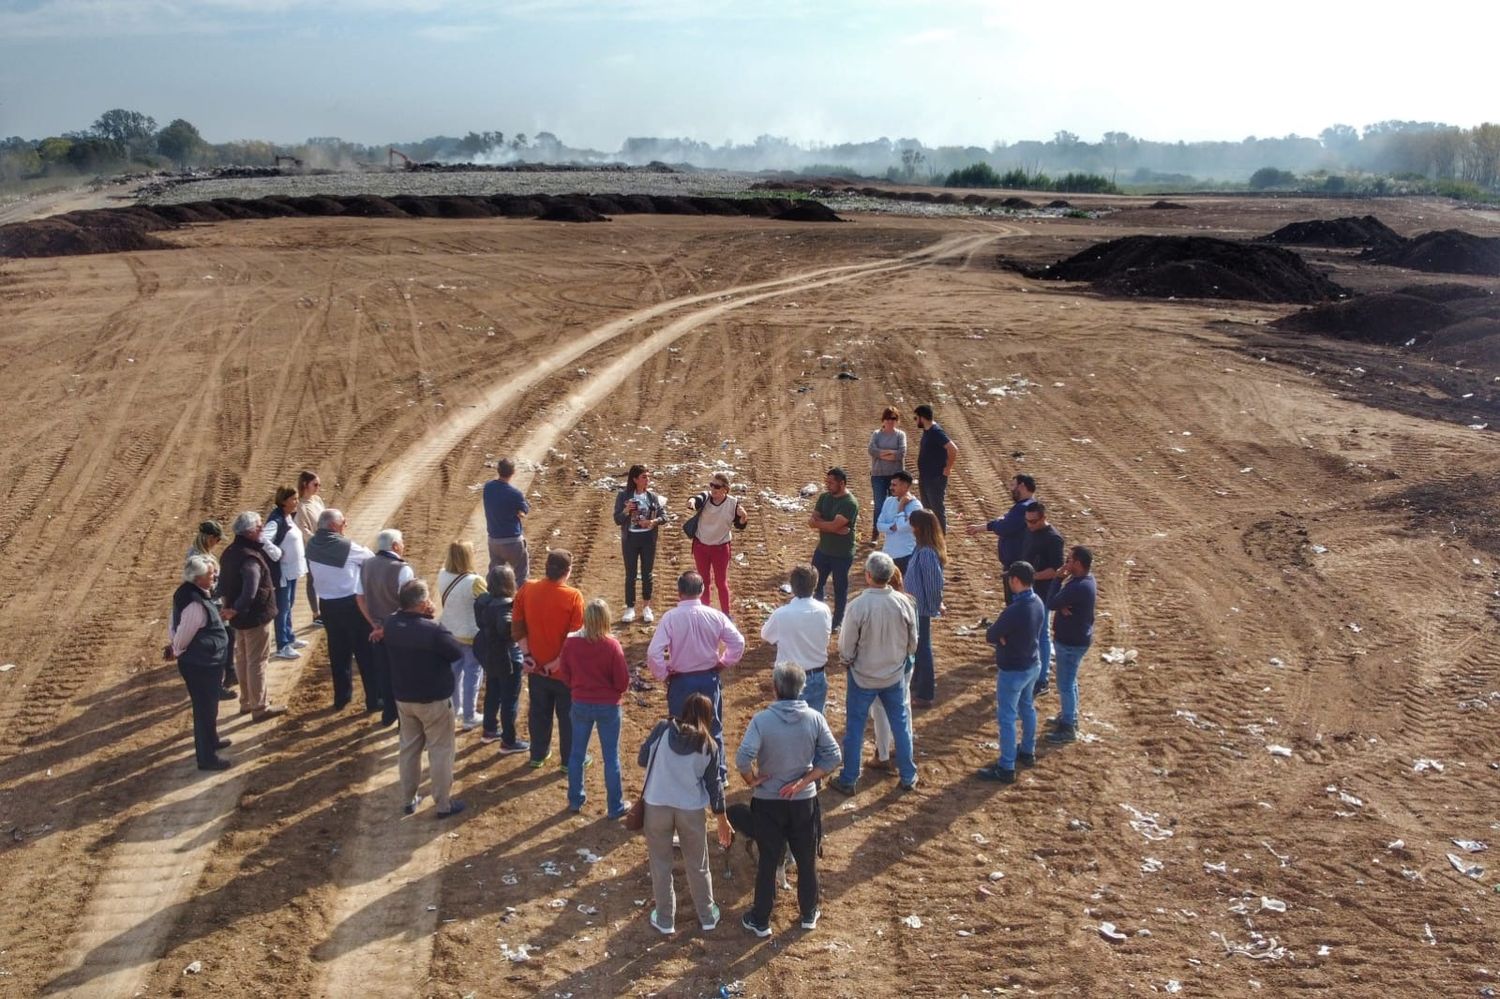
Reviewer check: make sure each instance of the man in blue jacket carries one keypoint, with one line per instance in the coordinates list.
(422, 653)
(1015, 638)
(1072, 609)
(1011, 528)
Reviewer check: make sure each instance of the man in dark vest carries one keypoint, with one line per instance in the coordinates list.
(380, 582)
(249, 594)
(421, 656)
(200, 644)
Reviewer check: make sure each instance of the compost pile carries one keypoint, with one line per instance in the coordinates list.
(1444, 251)
(112, 230)
(1455, 323)
(1195, 267)
(1351, 230)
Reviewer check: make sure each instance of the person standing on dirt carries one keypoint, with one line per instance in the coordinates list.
(377, 595)
(936, 455)
(501, 656)
(640, 514)
(1072, 606)
(505, 510)
(249, 595)
(592, 664)
(1011, 528)
(199, 642)
(894, 519)
(787, 749)
(690, 647)
(887, 457)
(210, 534)
(800, 630)
(718, 516)
(833, 517)
(284, 534)
(309, 508)
(460, 587)
(924, 584)
(334, 563)
(1043, 548)
(545, 613)
(881, 634)
(1014, 636)
(421, 653)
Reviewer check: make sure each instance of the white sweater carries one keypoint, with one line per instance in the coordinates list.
(458, 607)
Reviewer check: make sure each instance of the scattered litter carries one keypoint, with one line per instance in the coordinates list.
(193, 968)
(1222, 867)
(1079, 825)
(509, 879)
(588, 910)
(589, 856)
(432, 908)
(1272, 904)
(732, 989)
(1423, 765)
(517, 954)
(1172, 986)
(980, 838)
(1284, 859)
(1396, 844)
(1465, 868)
(1428, 935)
(1279, 750)
(550, 868)
(996, 875)
(1319, 549)
(1108, 932)
(847, 376)
(558, 903)
(1471, 845)
(1355, 628)
(1147, 824)
(1260, 947)
(914, 921)
(1151, 865)
(1118, 655)
(7, 667)
(1324, 950)
(811, 489)
(1277, 662)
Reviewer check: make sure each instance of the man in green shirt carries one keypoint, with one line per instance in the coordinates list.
(833, 518)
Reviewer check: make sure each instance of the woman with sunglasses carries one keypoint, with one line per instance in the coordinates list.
(719, 516)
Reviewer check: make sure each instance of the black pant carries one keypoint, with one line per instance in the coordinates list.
(933, 490)
(349, 636)
(203, 687)
(502, 698)
(639, 547)
(380, 671)
(780, 824)
(549, 696)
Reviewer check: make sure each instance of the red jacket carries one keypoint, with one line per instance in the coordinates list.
(595, 671)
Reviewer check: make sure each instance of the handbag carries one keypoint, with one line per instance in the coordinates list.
(690, 526)
(635, 819)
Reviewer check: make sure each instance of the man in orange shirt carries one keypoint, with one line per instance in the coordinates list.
(545, 611)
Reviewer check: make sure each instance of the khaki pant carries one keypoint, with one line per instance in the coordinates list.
(429, 725)
(691, 829)
(252, 651)
(512, 552)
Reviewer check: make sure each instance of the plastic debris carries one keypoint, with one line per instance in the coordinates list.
(914, 921)
(521, 952)
(1151, 865)
(1355, 628)
(811, 489)
(1172, 986)
(1272, 904)
(1396, 844)
(996, 875)
(1471, 845)
(731, 989)
(7, 667)
(588, 910)
(1108, 932)
(1117, 655)
(589, 856)
(1428, 936)
(1277, 662)
(193, 968)
(1279, 750)
(1465, 868)
(509, 879)
(1147, 824)
(1324, 950)
(1222, 867)
(1423, 765)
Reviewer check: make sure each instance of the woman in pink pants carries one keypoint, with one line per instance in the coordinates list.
(719, 515)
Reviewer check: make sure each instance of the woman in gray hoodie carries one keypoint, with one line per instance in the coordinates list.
(682, 778)
(786, 751)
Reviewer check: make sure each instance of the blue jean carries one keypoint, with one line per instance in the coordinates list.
(1013, 692)
(1069, 658)
(880, 488)
(502, 697)
(607, 718)
(1044, 646)
(924, 677)
(816, 691)
(681, 686)
(857, 704)
(838, 567)
(466, 673)
(286, 595)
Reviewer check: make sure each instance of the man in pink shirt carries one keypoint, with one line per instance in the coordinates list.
(691, 645)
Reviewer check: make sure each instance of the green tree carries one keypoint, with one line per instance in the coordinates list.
(180, 143)
(124, 127)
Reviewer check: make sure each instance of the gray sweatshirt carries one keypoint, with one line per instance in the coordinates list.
(789, 739)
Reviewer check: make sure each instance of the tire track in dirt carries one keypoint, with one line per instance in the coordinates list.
(382, 926)
(131, 911)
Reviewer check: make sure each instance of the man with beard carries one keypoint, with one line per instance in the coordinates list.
(1011, 528)
(1043, 548)
(833, 518)
(334, 562)
(936, 454)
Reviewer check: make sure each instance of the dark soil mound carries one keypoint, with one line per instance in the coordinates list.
(1445, 291)
(716, 206)
(464, 208)
(604, 205)
(571, 211)
(1159, 205)
(516, 207)
(235, 208)
(317, 205)
(808, 211)
(1384, 318)
(947, 198)
(1017, 203)
(667, 205)
(370, 206)
(59, 238)
(419, 208)
(1352, 230)
(1058, 203)
(274, 207)
(179, 214)
(636, 204)
(1446, 251)
(1195, 267)
(975, 199)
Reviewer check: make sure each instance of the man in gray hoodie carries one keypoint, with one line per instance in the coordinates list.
(786, 751)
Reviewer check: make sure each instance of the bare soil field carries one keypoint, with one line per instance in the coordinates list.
(1304, 558)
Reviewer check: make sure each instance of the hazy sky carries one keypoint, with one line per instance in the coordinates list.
(596, 71)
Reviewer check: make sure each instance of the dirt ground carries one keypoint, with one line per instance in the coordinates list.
(1295, 565)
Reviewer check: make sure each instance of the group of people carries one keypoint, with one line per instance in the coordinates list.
(421, 658)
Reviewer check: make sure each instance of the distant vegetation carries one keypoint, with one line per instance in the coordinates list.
(984, 175)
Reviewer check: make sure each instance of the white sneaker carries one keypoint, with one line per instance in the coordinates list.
(298, 643)
(647, 616)
(287, 652)
(628, 616)
(471, 723)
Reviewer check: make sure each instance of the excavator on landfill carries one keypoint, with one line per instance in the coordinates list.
(294, 161)
(392, 154)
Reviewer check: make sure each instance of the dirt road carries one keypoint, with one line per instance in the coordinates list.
(1244, 520)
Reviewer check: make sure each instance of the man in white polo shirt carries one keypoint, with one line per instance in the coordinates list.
(800, 631)
(335, 562)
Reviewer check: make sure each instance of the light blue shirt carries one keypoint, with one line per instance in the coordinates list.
(896, 526)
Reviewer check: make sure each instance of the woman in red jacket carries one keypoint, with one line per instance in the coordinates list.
(593, 666)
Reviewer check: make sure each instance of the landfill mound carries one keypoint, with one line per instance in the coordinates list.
(808, 211)
(112, 230)
(1059, 203)
(1018, 204)
(1380, 318)
(1165, 205)
(1351, 230)
(1195, 267)
(1445, 291)
(1443, 251)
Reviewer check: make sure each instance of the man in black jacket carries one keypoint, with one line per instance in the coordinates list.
(249, 594)
(421, 653)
